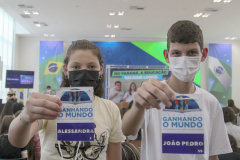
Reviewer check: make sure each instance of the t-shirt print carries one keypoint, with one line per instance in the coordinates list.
(86, 151)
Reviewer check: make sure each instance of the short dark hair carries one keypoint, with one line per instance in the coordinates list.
(229, 115)
(185, 32)
(118, 82)
(231, 103)
(48, 86)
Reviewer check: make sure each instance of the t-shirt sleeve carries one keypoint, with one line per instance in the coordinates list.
(116, 134)
(219, 142)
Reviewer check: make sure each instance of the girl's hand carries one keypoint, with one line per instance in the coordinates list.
(41, 106)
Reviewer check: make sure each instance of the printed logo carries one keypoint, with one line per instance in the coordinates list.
(75, 96)
(182, 105)
(219, 70)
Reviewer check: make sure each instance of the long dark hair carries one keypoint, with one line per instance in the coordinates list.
(5, 123)
(130, 90)
(7, 110)
(85, 45)
(233, 143)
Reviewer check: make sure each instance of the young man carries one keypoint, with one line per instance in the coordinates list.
(203, 135)
(116, 93)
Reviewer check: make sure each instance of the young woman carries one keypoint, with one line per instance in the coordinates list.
(83, 60)
(128, 96)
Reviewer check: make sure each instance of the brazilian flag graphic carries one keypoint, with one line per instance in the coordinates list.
(21, 95)
(51, 62)
(220, 72)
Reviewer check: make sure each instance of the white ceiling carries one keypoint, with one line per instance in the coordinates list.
(88, 18)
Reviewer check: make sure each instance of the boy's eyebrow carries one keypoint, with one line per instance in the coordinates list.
(174, 50)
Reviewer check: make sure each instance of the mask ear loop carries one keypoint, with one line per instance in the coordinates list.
(59, 148)
(77, 150)
(146, 137)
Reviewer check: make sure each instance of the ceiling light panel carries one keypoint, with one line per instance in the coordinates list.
(116, 26)
(106, 36)
(227, 1)
(217, 1)
(120, 13)
(197, 15)
(111, 13)
(26, 12)
(35, 12)
(206, 15)
(113, 36)
(38, 25)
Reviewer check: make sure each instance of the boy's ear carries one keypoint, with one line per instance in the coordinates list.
(165, 53)
(204, 54)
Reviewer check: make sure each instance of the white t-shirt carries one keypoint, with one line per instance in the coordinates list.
(108, 123)
(234, 131)
(130, 97)
(215, 134)
(119, 97)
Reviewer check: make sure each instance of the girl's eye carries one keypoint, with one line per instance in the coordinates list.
(92, 67)
(75, 67)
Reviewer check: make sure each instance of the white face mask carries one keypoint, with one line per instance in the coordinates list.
(185, 68)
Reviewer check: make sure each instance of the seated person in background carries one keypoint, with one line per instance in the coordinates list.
(11, 95)
(128, 96)
(232, 105)
(235, 154)
(17, 107)
(230, 118)
(7, 110)
(34, 147)
(49, 91)
(130, 151)
(116, 93)
(6, 149)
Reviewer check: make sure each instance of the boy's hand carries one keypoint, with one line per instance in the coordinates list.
(152, 93)
(41, 106)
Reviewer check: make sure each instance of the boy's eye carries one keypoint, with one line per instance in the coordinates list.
(176, 53)
(191, 53)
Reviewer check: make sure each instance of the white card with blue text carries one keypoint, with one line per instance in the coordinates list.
(183, 126)
(75, 122)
